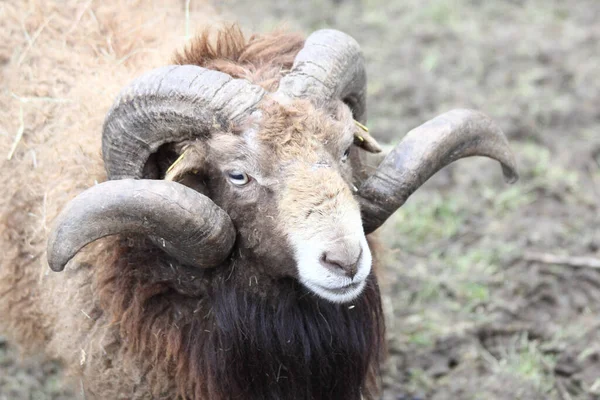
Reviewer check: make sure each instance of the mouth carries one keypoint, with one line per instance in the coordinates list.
(341, 294)
(344, 289)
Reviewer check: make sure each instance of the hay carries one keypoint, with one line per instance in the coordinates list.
(18, 136)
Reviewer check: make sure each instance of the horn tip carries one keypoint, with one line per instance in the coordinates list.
(55, 255)
(510, 174)
(56, 266)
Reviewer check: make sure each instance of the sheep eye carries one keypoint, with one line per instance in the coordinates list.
(238, 178)
(346, 154)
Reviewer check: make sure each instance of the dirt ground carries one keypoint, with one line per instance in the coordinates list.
(472, 312)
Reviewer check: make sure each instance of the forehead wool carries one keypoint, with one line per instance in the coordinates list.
(299, 130)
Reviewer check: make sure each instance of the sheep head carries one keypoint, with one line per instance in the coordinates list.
(286, 181)
(274, 171)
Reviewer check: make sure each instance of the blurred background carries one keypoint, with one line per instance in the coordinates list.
(491, 291)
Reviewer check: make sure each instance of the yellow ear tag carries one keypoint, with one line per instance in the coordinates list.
(361, 126)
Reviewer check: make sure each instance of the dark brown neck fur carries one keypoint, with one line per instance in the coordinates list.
(228, 342)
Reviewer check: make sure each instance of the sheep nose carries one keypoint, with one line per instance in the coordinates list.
(342, 261)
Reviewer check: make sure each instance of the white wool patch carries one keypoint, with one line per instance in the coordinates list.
(332, 286)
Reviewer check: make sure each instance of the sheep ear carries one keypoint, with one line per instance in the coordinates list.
(364, 140)
(191, 161)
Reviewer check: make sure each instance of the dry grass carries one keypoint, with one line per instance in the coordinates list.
(63, 63)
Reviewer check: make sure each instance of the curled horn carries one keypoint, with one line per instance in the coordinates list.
(424, 151)
(169, 104)
(329, 66)
(185, 223)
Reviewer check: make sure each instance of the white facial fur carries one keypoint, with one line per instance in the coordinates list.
(328, 284)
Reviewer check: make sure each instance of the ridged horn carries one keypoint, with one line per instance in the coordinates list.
(329, 66)
(170, 104)
(185, 223)
(424, 151)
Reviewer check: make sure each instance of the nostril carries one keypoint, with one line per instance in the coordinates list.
(330, 262)
(343, 265)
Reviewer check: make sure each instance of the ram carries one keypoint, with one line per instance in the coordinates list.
(235, 258)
